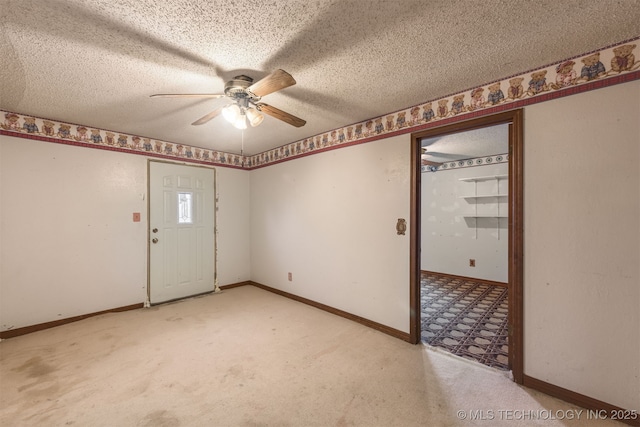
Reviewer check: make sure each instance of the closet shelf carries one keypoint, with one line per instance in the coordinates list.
(494, 196)
(483, 178)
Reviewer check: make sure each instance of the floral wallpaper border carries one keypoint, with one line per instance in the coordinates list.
(608, 66)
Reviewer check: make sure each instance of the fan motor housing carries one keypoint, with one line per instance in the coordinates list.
(237, 87)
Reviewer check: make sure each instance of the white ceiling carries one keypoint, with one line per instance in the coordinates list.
(95, 62)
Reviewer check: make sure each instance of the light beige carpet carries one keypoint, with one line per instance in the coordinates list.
(247, 357)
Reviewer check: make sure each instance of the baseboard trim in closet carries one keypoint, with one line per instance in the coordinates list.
(467, 279)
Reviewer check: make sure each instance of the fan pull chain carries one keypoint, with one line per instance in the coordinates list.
(242, 146)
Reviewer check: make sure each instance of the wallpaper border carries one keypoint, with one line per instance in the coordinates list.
(467, 163)
(538, 85)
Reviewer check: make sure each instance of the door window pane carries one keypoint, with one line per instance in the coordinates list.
(185, 215)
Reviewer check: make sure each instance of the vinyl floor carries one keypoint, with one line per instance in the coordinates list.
(467, 318)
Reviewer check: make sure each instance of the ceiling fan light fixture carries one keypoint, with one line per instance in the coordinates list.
(254, 117)
(241, 121)
(231, 112)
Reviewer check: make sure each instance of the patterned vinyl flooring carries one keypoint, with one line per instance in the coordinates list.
(466, 318)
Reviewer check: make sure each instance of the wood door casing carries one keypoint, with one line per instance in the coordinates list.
(516, 229)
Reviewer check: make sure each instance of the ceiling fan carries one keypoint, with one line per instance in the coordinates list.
(246, 96)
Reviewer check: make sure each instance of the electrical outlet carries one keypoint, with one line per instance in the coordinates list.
(472, 263)
(290, 277)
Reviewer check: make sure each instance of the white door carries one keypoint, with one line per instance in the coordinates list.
(181, 231)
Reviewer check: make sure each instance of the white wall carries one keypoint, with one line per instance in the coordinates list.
(69, 244)
(449, 240)
(234, 232)
(582, 243)
(330, 220)
(1, 234)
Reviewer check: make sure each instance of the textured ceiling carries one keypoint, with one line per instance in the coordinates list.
(95, 62)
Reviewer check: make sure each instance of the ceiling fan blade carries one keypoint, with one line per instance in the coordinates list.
(281, 115)
(430, 163)
(205, 119)
(445, 155)
(187, 95)
(275, 81)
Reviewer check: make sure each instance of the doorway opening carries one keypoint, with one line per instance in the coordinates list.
(466, 239)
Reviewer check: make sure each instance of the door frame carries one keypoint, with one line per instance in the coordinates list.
(147, 303)
(516, 230)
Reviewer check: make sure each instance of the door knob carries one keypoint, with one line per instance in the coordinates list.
(154, 240)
